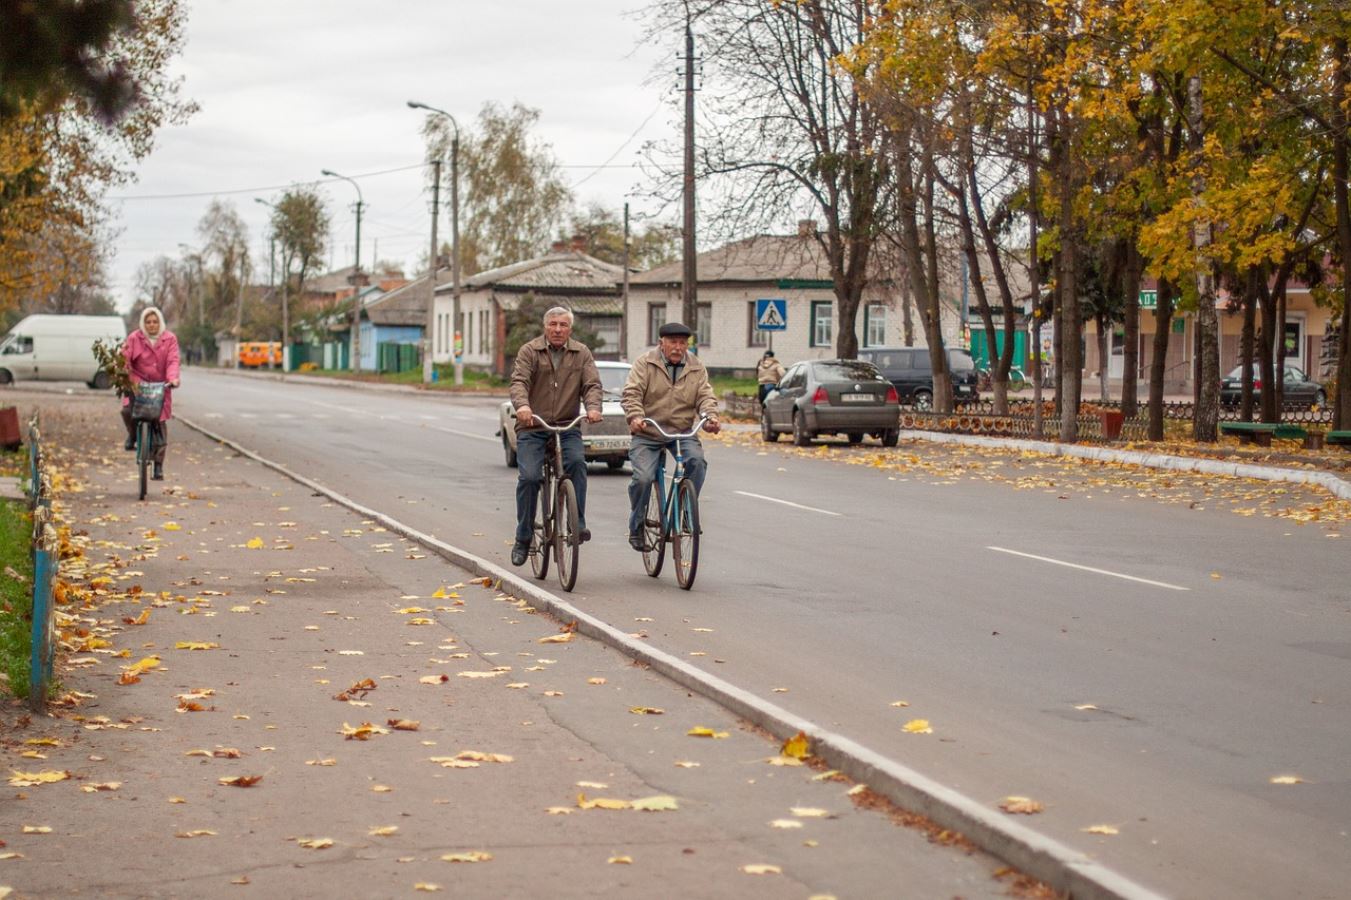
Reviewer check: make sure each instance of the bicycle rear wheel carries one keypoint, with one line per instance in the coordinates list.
(541, 536)
(654, 537)
(565, 534)
(145, 451)
(685, 536)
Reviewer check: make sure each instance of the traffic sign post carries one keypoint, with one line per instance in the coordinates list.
(771, 315)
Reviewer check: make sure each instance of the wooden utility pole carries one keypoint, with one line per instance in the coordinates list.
(624, 308)
(689, 309)
(429, 329)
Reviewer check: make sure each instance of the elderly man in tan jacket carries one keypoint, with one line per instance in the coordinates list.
(669, 385)
(553, 376)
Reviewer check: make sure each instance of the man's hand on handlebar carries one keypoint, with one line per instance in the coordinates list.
(524, 415)
(637, 425)
(594, 415)
(712, 426)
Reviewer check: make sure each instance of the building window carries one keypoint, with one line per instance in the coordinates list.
(656, 317)
(604, 327)
(483, 331)
(703, 328)
(754, 336)
(823, 333)
(874, 325)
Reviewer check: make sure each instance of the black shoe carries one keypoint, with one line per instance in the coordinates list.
(584, 535)
(519, 552)
(130, 443)
(158, 474)
(636, 541)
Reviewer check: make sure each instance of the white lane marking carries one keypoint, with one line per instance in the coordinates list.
(213, 415)
(468, 434)
(825, 512)
(1070, 565)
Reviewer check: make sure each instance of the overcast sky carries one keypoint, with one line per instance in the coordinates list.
(290, 87)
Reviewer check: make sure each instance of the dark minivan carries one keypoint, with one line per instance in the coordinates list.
(908, 368)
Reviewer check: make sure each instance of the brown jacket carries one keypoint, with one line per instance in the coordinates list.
(554, 396)
(649, 392)
(769, 370)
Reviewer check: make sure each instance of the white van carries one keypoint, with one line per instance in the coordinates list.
(58, 348)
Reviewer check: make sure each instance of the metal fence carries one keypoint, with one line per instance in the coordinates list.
(46, 559)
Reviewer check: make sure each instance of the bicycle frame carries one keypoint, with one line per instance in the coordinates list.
(556, 512)
(678, 524)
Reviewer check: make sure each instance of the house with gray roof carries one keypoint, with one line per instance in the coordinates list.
(566, 276)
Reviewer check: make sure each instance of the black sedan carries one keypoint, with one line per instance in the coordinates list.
(1298, 389)
(832, 396)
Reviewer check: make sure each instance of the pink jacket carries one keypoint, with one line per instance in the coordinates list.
(152, 362)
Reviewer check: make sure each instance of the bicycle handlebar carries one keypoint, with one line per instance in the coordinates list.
(558, 429)
(671, 437)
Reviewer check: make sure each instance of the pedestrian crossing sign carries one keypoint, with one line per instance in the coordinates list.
(771, 315)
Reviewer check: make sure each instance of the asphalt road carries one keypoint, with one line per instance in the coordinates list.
(1157, 688)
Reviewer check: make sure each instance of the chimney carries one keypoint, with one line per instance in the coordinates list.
(558, 247)
(806, 228)
(578, 243)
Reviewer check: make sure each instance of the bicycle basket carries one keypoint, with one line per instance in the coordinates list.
(147, 403)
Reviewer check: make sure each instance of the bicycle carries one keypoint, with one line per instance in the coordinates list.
(149, 434)
(673, 514)
(554, 526)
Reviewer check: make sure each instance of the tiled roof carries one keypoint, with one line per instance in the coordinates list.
(765, 257)
(566, 271)
(588, 305)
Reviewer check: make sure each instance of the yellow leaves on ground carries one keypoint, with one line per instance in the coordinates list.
(384, 831)
(315, 843)
(811, 812)
(426, 887)
(138, 668)
(646, 710)
(171, 526)
(470, 856)
(362, 732)
(421, 620)
(797, 746)
(404, 724)
(900, 703)
(139, 620)
(435, 679)
(620, 861)
(196, 645)
(37, 829)
(784, 761)
(242, 781)
(1102, 829)
(563, 638)
(917, 726)
(359, 689)
(761, 869)
(1286, 779)
(255, 543)
(595, 681)
(327, 761)
(42, 742)
(785, 823)
(701, 731)
(469, 759)
(199, 832)
(32, 779)
(492, 674)
(658, 803)
(96, 786)
(1021, 805)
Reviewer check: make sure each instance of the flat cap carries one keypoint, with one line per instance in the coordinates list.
(674, 329)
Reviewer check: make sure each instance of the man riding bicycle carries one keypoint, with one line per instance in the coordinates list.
(669, 385)
(553, 376)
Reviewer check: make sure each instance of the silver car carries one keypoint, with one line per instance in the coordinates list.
(606, 441)
(832, 396)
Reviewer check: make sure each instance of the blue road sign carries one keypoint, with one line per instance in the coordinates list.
(771, 315)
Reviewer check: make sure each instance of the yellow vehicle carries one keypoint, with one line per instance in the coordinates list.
(257, 354)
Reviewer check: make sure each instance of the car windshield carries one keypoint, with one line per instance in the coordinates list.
(612, 380)
(847, 370)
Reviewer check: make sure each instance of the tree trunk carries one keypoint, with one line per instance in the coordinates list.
(1252, 278)
(1069, 331)
(1130, 357)
(1158, 363)
(1104, 356)
(1278, 375)
(1205, 422)
(1266, 348)
(1341, 137)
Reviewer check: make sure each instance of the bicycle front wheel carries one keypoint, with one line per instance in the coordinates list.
(566, 546)
(541, 532)
(685, 534)
(654, 537)
(145, 451)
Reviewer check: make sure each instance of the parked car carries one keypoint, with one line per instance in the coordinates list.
(832, 396)
(910, 370)
(47, 347)
(606, 441)
(1298, 389)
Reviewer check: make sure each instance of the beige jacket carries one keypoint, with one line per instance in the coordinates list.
(769, 370)
(555, 396)
(649, 392)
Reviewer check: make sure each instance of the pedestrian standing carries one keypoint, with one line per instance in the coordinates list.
(768, 373)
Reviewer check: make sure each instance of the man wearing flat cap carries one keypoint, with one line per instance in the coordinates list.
(669, 385)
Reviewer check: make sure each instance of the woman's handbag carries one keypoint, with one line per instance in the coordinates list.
(147, 403)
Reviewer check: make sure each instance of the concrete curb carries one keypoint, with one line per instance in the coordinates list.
(1063, 868)
(1329, 482)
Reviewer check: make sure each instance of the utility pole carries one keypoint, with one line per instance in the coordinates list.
(455, 256)
(624, 308)
(689, 309)
(356, 299)
(428, 368)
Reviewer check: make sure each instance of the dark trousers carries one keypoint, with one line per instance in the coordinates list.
(161, 444)
(645, 454)
(531, 449)
(765, 388)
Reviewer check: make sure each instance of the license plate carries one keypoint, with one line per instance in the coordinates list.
(607, 443)
(856, 398)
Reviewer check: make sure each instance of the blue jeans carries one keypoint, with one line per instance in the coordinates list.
(644, 455)
(531, 449)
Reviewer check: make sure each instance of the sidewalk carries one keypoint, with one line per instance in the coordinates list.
(471, 729)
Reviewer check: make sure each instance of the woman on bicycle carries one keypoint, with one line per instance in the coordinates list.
(152, 355)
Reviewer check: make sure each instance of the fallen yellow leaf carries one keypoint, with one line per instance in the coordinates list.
(427, 887)
(196, 645)
(1024, 805)
(797, 746)
(810, 812)
(1286, 779)
(1102, 829)
(917, 726)
(255, 544)
(37, 829)
(472, 856)
(199, 832)
(315, 843)
(31, 779)
(240, 781)
(384, 831)
(563, 638)
(620, 860)
(784, 761)
(602, 803)
(785, 823)
(701, 731)
(646, 711)
(95, 787)
(762, 869)
(659, 803)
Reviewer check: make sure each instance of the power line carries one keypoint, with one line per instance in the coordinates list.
(254, 190)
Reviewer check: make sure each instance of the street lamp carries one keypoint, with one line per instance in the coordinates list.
(454, 256)
(271, 288)
(356, 277)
